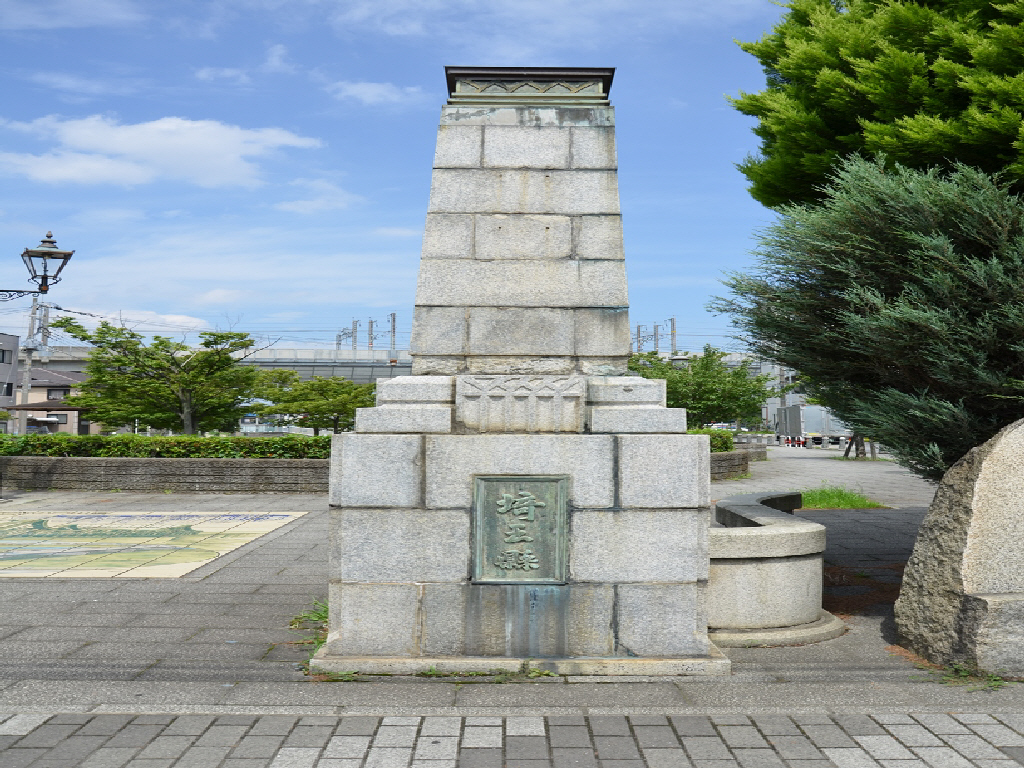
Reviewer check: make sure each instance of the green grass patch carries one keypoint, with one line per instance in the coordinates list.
(836, 497)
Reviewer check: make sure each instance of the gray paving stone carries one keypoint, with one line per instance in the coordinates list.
(795, 748)
(939, 723)
(165, 747)
(568, 735)
(690, 725)
(884, 748)
(109, 757)
(405, 736)
(941, 757)
(998, 735)
(758, 758)
(850, 758)
(526, 748)
(829, 736)
(189, 725)
(972, 746)
(357, 726)
(517, 726)
(741, 736)
(153, 720)
(481, 737)
(654, 736)
(915, 735)
(347, 747)
(298, 757)
(257, 746)
(666, 758)
(569, 758)
(705, 748)
(859, 725)
(222, 736)
(136, 735)
(775, 725)
(609, 726)
(201, 757)
(46, 736)
(309, 736)
(616, 748)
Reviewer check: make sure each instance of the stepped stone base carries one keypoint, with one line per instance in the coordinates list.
(715, 663)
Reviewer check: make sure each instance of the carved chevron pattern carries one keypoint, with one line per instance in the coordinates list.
(513, 87)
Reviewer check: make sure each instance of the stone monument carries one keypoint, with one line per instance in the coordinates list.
(519, 499)
(962, 599)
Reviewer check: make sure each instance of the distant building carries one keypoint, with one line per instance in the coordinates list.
(47, 411)
(8, 375)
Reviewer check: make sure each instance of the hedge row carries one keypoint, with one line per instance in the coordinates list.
(721, 439)
(185, 447)
(182, 447)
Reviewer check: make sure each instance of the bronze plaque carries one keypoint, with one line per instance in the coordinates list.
(520, 529)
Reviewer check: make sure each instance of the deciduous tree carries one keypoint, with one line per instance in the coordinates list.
(320, 402)
(165, 384)
(706, 387)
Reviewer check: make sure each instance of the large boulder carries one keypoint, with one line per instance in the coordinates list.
(962, 599)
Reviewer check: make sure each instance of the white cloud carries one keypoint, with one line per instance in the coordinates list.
(220, 296)
(58, 14)
(237, 76)
(327, 196)
(511, 31)
(141, 320)
(373, 93)
(99, 150)
(276, 61)
(83, 87)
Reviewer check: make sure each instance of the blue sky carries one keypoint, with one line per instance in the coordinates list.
(264, 165)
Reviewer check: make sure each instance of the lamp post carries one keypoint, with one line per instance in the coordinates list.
(45, 263)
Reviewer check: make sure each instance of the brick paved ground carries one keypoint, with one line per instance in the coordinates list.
(957, 740)
(202, 670)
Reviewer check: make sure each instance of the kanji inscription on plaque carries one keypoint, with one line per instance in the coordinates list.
(520, 529)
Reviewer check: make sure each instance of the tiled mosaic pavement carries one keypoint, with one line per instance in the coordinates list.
(726, 741)
(127, 544)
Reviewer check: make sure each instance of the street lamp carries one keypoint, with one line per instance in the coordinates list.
(44, 263)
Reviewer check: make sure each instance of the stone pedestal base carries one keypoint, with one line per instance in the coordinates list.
(715, 663)
(996, 624)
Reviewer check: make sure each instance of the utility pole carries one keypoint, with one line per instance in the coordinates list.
(369, 336)
(26, 376)
(640, 338)
(355, 338)
(337, 340)
(44, 326)
(393, 318)
(672, 326)
(657, 331)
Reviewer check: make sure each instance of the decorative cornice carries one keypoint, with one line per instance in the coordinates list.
(529, 86)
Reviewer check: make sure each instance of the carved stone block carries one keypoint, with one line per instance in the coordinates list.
(520, 403)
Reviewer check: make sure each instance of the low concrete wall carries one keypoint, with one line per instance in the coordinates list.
(765, 579)
(754, 451)
(729, 464)
(196, 475)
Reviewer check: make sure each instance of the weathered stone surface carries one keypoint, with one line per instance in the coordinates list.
(997, 624)
(626, 419)
(520, 403)
(458, 146)
(764, 592)
(601, 332)
(444, 619)
(376, 470)
(599, 237)
(455, 190)
(626, 390)
(400, 545)
(534, 236)
(521, 283)
(661, 620)
(437, 365)
(967, 551)
(372, 619)
(589, 620)
(526, 147)
(593, 147)
(438, 331)
(529, 116)
(516, 331)
(529, 365)
(409, 418)
(448, 236)
(453, 459)
(639, 545)
(416, 389)
(682, 479)
(603, 366)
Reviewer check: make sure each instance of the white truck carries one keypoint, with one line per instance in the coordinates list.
(810, 424)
